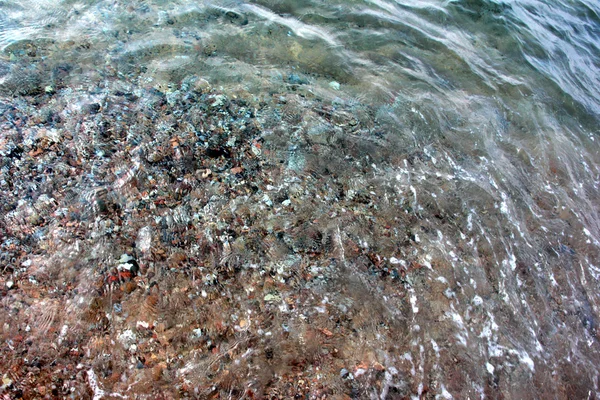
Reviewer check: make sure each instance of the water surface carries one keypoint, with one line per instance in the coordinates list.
(398, 199)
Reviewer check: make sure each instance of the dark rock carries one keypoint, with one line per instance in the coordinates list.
(92, 108)
(296, 79)
(236, 18)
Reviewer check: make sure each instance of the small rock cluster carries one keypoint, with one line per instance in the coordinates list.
(193, 243)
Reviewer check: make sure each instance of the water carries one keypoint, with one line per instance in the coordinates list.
(378, 199)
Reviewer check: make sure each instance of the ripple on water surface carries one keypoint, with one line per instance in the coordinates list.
(376, 199)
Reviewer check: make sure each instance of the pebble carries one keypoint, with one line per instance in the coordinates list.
(477, 301)
(201, 85)
(92, 108)
(236, 18)
(296, 79)
(272, 297)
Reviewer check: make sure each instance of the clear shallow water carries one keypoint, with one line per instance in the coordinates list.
(468, 129)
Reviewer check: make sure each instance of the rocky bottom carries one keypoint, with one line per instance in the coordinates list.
(199, 244)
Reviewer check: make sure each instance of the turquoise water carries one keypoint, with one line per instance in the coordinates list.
(422, 174)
